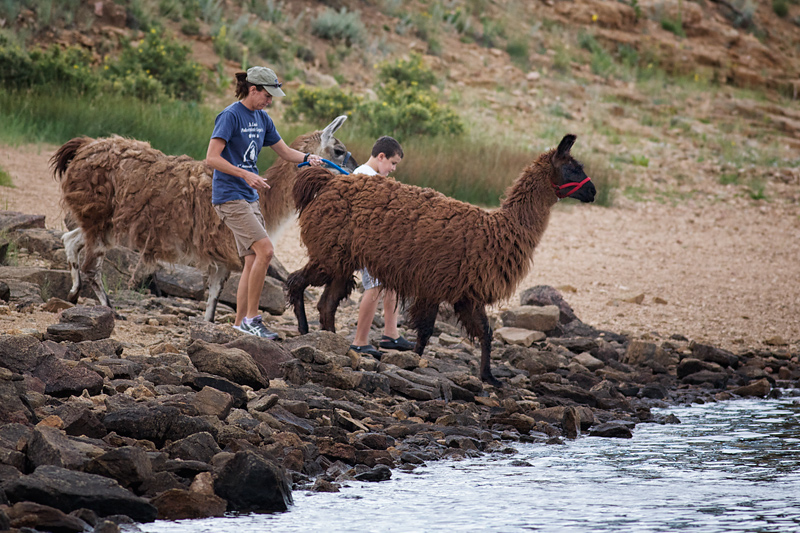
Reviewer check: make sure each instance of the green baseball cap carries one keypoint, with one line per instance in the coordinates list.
(266, 78)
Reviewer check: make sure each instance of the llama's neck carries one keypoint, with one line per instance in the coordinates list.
(276, 202)
(529, 200)
(518, 227)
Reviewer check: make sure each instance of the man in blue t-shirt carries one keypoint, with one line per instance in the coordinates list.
(240, 131)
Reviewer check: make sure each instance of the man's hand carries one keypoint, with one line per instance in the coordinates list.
(314, 160)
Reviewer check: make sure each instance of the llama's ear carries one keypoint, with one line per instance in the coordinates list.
(330, 129)
(565, 146)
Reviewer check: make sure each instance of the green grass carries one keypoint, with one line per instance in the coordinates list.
(5, 179)
(474, 168)
(175, 128)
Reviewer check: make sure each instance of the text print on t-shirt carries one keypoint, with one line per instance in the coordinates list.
(252, 131)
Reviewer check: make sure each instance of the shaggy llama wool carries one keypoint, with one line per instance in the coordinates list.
(124, 192)
(425, 246)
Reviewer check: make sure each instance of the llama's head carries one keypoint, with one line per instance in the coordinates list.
(569, 180)
(333, 149)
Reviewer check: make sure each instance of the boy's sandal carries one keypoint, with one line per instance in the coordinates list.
(400, 343)
(367, 349)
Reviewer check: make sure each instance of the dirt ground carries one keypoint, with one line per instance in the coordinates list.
(725, 273)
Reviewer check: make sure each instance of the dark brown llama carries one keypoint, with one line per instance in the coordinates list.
(425, 246)
(123, 192)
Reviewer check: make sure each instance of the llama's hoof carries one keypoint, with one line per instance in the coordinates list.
(72, 297)
(491, 380)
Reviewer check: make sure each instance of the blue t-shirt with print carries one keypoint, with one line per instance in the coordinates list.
(245, 132)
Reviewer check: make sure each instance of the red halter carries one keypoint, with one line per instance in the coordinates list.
(574, 184)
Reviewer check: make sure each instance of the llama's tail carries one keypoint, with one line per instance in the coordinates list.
(308, 183)
(64, 155)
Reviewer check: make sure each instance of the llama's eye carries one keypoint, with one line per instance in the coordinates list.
(338, 151)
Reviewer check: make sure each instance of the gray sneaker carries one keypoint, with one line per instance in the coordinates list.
(256, 327)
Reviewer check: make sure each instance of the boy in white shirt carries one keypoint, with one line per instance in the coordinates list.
(386, 154)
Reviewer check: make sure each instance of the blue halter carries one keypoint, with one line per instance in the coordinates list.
(331, 164)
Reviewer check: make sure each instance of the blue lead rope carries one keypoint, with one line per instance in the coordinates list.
(330, 164)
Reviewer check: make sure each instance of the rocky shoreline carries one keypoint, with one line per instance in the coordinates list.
(95, 433)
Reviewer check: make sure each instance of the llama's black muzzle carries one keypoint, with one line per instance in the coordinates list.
(584, 190)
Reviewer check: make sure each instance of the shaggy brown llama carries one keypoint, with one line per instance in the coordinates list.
(123, 192)
(425, 246)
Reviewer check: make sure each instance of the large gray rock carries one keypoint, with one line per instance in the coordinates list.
(570, 392)
(690, 365)
(198, 447)
(251, 483)
(23, 295)
(14, 408)
(713, 354)
(648, 354)
(51, 282)
(44, 518)
(212, 402)
(535, 361)
(63, 378)
(129, 465)
(14, 220)
(181, 504)
(156, 423)
(267, 354)
(21, 353)
(83, 324)
(44, 242)
(200, 380)
(231, 363)
(272, 298)
(180, 280)
(716, 379)
(611, 430)
(51, 446)
(542, 295)
(417, 386)
(325, 341)
(757, 389)
(532, 317)
(149, 422)
(68, 490)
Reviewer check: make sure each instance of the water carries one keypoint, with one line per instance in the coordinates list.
(729, 466)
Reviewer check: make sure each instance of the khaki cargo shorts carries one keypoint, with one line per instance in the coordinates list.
(245, 221)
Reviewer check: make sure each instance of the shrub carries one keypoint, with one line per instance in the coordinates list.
(780, 7)
(166, 61)
(405, 105)
(518, 52)
(339, 26)
(407, 72)
(673, 25)
(319, 105)
(269, 11)
(268, 45)
(136, 84)
(407, 110)
(68, 69)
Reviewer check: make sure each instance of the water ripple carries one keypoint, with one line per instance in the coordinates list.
(730, 466)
